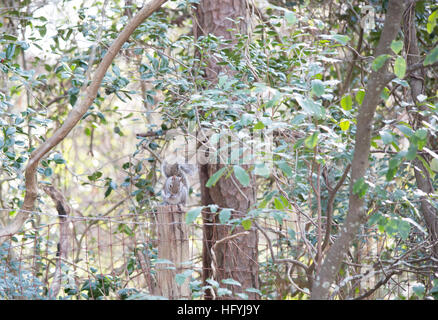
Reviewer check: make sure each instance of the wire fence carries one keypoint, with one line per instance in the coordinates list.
(104, 257)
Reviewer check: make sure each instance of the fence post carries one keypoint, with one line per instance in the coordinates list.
(173, 245)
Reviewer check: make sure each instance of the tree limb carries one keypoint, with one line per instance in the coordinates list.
(86, 100)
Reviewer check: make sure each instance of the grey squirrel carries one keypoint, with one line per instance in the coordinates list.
(176, 184)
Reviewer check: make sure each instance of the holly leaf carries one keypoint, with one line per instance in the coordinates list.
(192, 214)
(396, 46)
(241, 175)
(379, 61)
(215, 177)
(432, 57)
(400, 67)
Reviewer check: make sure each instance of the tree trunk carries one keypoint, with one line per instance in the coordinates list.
(235, 256)
(356, 211)
(416, 82)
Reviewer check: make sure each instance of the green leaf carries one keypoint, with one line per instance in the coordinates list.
(318, 87)
(408, 132)
(10, 51)
(223, 291)
(360, 187)
(403, 229)
(215, 177)
(346, 102)
(396, 46)
(278, 204)
(432, 57)
(434, 164)
(359, 96)
(290, 17)
(412, 151)
(180, 278)
(287, 170)
(342, 39)
(48, 172)
(246, 224)
(387, 137)
(311, 107)
(192, 214)
(432, 21)
(400, 67)
(259, 125)
(224, 215)
(344, 124)
(261, 169)
(379, 61)
(241, 175)
(231, 282)
(421, 134)
(312, 140)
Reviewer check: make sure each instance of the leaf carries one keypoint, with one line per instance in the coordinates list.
(432, 21)
(290, 18)
(432, 57)
(379, 61)
(180, 278)
(259, 125)
(287, 170)
(246, 224)
(231, 282)
(224, 215)
(241, 175)
(359, 96)
(386, 137)
(318, 87)
(48, 172)
(360, 187)
(192, 214)
(261, 169)
(10, 51)
(223, 291)
(346, 102)
(278, 204)
(344, 124)
(215, 177)
(311, 141)
(408, 132)
(421, 134)
(434, 164)
(396, 46)
(400, 67)
(412, 151)
(403, 229)
(311, 107)
(342, 39)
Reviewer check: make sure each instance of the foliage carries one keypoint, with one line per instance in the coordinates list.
(288, 79)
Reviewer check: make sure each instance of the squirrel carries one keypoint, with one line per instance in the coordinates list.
(176, 184)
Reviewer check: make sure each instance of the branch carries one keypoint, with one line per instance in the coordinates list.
(87, 99)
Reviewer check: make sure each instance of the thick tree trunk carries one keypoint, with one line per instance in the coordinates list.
(356, 211)
(236, 257)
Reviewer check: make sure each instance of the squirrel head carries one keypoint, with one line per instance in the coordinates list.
(175, 184)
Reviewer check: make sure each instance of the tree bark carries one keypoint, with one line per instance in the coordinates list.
(416, 81)
(235, 257)
(173, 245)
(73, 118)
(356, 212)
